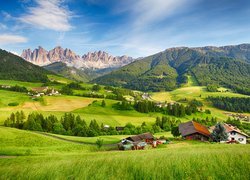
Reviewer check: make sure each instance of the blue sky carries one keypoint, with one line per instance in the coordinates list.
(132, 27)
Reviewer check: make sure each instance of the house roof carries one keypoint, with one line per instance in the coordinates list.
(230, 128)
(119, 128)
(141, 137)
(192, 127)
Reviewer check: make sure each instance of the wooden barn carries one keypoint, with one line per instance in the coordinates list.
(194, 131)
(136, 142)
(147, 137)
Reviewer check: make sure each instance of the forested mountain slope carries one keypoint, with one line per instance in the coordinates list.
(68, 72)
(168, 69)
(13, 67)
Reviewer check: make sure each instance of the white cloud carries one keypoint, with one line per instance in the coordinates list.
(147, 12)
(48, 14)
(156, 10)
(11, 39)
(14, 52)
(143, 34)
(6, 16)
(3, 26)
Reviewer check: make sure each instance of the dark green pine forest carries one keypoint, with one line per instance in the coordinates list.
(13, 67)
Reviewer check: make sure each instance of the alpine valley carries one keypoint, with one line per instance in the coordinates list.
(125, 90)
(165, 70)
(63, 109)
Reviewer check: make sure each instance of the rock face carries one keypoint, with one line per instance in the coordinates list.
(102, 60)
(91, 60)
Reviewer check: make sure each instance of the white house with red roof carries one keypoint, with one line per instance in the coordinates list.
(234, 134)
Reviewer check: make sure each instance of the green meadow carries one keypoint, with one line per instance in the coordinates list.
(84, 107)
(28, 155)
(36, 155)
(192, 91)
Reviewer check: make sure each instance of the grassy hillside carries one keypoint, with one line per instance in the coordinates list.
(32, 156)
(19, 143)
(83, 106)
(195, 92)
(13, 67)
(169, 69)
(58, 105)
(68, 72)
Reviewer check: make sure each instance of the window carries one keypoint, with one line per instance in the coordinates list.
(233, 133)
(240, 139)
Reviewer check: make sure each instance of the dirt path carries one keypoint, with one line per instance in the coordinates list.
(6, 157)
(72, 141)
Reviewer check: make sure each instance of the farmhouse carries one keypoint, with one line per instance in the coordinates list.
(234, 134)
(137, 142)
(193, 130)
(147, 137)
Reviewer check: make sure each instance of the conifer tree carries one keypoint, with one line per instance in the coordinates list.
(219, 133)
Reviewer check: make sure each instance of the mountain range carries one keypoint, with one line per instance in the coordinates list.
(228, 66)
(92, 60)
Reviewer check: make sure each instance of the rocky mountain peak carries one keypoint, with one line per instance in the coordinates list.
(94, 60)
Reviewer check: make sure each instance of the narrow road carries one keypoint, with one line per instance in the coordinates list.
(72, 141)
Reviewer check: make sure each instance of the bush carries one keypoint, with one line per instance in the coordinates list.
(96, 87)
(13, 104)
(67, 90)
(175, 131)
(99, 143)
(207, 111)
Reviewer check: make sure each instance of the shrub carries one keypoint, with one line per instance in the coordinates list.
(207, 111)
(13, 104)
(99, 143)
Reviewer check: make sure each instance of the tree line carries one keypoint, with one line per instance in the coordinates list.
(176, 109)
(235, 104)
(72, 125)
(69, 124)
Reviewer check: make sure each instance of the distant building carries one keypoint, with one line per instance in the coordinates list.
(106, 127)
(194, 131)
(119, 128)
(40, 91)
(234, 134)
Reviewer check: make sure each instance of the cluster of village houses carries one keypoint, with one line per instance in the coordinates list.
(190, 131)
(240, 116)
(41, 91)
(37, 91)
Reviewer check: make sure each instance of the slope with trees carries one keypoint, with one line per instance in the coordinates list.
(13, 67)
(167, 70)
